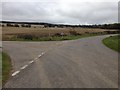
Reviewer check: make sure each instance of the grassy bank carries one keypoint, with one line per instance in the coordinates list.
(6, 67)
(49, 38)
(112, 42)
(0, 69)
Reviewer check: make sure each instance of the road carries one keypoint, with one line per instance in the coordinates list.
(82, 63)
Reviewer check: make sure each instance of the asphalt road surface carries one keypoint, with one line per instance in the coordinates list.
(82, 63)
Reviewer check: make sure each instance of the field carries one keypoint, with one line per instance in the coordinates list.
(13, 32)
(112, 42)
(41, 31)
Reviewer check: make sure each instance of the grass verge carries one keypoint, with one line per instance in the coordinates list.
(0, 69)
(52, 38)
(6, 67)
(112, 42)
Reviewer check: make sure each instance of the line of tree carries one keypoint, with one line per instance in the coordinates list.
(28, 24)
(103, 26)
(17, 25)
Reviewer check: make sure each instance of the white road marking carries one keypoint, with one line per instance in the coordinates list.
(15, 73)
(31, 62)
(43, 53)
(39, 55)
(35, 58)
(24, 67)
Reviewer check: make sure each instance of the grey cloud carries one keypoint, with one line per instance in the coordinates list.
(60, 12)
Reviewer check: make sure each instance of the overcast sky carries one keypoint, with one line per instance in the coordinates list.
(61, 11)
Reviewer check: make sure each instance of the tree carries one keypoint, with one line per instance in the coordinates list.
(16, 25)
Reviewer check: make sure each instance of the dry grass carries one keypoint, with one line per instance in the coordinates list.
(9, 33)
(17, 30)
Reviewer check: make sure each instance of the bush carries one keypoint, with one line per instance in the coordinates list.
(112, 32)
(86, 32)
(74, 33)
(9, 25)
(28, 25)
(16, 25)
(23, 36)
(3, 25)
(22, 25)
(57, 34)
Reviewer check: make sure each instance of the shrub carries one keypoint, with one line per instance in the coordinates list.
(3, 25)
(10, 25)
(23, 36)
(57, 34)
(16, 25)
(86, 32)
(28, 25)
(112, 32)
(22, 25)
(74, 33)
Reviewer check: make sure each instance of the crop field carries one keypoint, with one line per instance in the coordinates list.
(16, 30)
(45, 31)
(40, 33)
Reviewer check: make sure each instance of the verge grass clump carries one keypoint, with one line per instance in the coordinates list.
(6, 67)
(113, 42)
